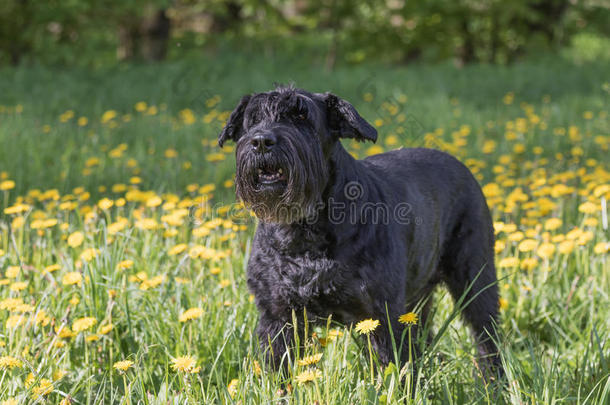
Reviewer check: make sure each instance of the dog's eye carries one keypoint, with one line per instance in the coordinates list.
(302, 117)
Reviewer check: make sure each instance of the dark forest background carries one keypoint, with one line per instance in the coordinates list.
(101, 32)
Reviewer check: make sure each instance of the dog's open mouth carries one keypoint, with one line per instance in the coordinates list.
(271, 175)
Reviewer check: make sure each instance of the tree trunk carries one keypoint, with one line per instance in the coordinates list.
(467, 53)
(155, 36)
(127, 39)
(227, 20)
(145, 37)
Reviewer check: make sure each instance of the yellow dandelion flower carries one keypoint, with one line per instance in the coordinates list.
(124, 265)
(12, 271)
(76, 239)
(146, 224)
(528, 245)
(257, 368)
(201, 232)
(64, 332)
(410, 318)
(529, 263)
(552, 223)
(18, 222)
(190, 314)
(566, 247)
(72, 278)
(588, 208)
(117, 226)
(19, 286)
(16, 209)
(42, 318)
(499, 246)
(152, 282)
(123, 365)
(183, 363)
(546, 250)
(176, 250)
(366, 326)
(88, 254)
(585, 238)
(29, 380)
(7, 185)
(232, 387)
(105, 204)
(309, 360)
(308, 376)
(154, 201)
(9, 362)
(509, 262)
(516, 236)
(108, 116)
(51, 268)
(591, 221)
(169, 233)
(601, 248)
(509, 228)
(105, 329)
(92, 338)
(59, 374)
(11, 303)
(45, 387)
(503, 303)
(24, 308)
(215, 157)
(574, 234)
(10, 401)
(171, 153)
(82, 324)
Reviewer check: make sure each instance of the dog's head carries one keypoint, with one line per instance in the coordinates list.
(285, 139)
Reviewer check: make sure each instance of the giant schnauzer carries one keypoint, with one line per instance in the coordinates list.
(350, 238)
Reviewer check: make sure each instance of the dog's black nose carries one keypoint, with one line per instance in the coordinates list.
(263, 142)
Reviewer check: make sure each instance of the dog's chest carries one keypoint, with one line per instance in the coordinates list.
(285, 279)
(305, 281)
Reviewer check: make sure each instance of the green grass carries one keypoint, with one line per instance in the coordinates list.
(555, 316)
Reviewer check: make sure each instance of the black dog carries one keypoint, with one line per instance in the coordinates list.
(355, 239)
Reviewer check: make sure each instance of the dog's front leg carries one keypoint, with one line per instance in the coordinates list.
(275, 337)
(382, 341)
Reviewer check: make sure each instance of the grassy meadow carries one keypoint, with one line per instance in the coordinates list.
(123, 252)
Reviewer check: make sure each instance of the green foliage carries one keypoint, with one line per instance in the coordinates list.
(555, 317)
(87, 32)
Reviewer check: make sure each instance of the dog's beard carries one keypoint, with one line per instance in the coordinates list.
(295, 196)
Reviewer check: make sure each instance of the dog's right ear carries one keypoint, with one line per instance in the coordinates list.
(234, 127)
(345, 121)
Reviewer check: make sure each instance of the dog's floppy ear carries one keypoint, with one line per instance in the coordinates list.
(233, 127)
(345, 121)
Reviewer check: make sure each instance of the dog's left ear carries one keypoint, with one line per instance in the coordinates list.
(234, 127)
(345, 121)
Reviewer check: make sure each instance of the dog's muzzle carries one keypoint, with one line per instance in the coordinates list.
(267, 176)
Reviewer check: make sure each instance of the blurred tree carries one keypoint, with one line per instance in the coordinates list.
(15, 29)
(496, 31)
(26, 26)
(143, 28)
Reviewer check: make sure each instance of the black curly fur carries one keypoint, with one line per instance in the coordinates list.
(353, 267)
